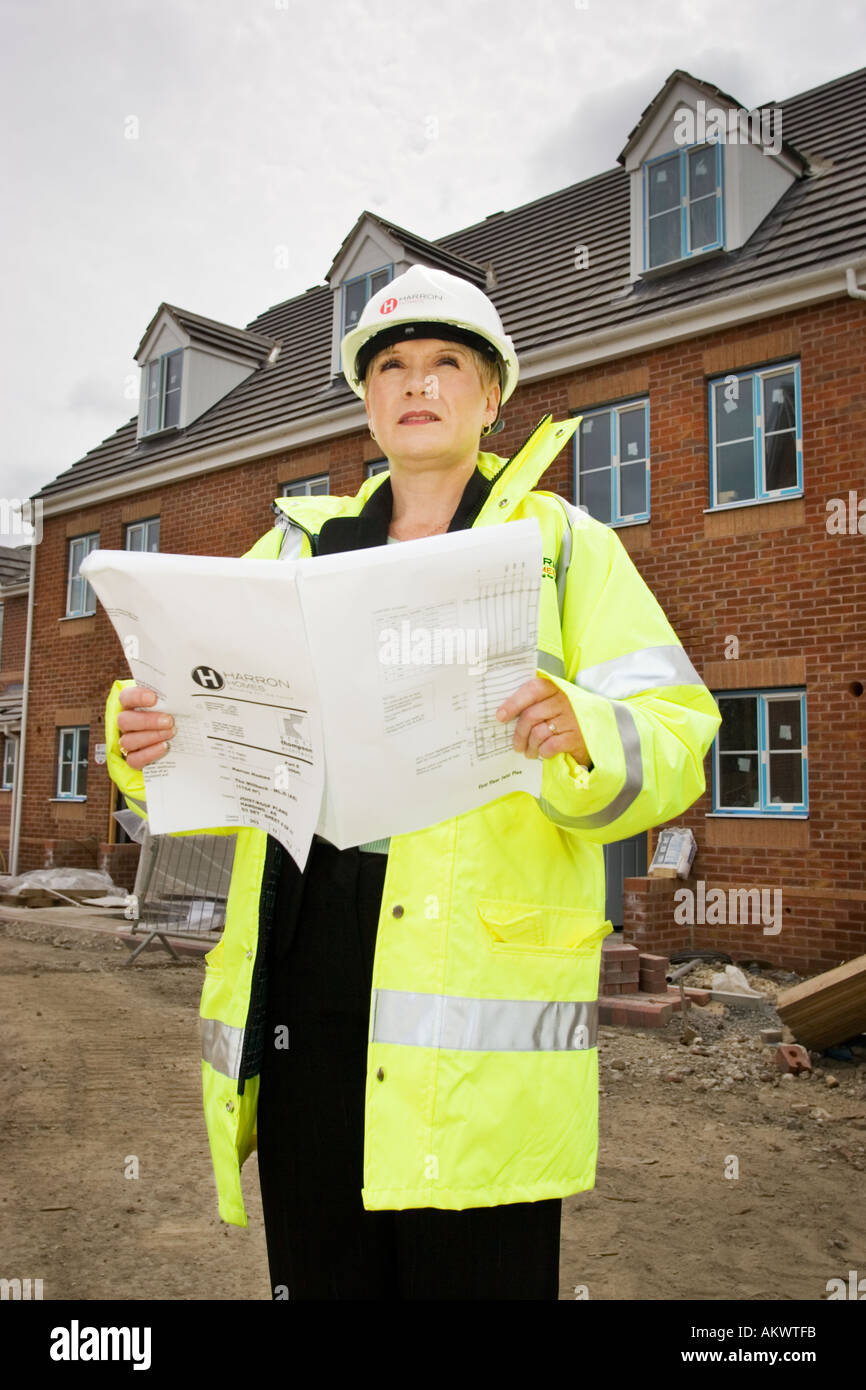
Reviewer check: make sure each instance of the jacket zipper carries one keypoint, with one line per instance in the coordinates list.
(313, 539)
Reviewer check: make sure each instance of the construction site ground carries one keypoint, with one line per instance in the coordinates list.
(717, 1177)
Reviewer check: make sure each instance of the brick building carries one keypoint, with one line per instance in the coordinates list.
(701, 305)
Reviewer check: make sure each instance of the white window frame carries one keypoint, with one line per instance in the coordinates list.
(302, 487)
(377, 466)
(146, 530)
(368, 276)
(156, 372)
(81, 547)
(76, 730)
(10, 763)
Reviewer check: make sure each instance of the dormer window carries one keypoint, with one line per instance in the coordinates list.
(361, 288)
(683, 202)
(162, 383)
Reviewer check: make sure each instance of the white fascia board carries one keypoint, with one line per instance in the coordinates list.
(741, 307)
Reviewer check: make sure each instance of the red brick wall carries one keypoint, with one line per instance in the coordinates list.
(14, 636)
(769, 574)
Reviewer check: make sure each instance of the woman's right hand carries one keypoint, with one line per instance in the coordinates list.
(143, 733)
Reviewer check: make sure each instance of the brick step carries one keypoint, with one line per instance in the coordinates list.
(636, 1010)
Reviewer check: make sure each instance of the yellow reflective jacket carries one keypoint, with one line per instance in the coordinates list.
(482, 1068)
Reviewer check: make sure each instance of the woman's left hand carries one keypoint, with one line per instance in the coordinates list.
(547, 723)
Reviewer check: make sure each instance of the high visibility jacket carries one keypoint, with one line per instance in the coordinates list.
(482, 1068)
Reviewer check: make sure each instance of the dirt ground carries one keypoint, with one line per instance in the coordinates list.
(717, 1179)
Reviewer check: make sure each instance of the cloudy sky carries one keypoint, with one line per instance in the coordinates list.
(214, 153)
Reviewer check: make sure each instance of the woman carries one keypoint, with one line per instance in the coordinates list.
(407, 1030)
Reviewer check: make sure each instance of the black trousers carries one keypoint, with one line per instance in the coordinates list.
(322, 1242)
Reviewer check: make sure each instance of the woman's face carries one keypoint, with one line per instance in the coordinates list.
(425, 402)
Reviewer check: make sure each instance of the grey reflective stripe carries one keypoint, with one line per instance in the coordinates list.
(482, 1025)
(630, 740)
(564, 558)
(646, 669)
(290, 546)
(221, 1046)
(554, 664)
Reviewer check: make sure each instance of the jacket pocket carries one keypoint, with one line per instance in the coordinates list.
(541, 929)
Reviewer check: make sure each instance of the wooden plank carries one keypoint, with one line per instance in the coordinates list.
(828, 1008)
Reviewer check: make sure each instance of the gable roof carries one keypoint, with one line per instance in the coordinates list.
(819, 221)
(209, 333)
(14, 566)
(417, 249)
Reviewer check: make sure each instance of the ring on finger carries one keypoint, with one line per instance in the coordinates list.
(551, 726)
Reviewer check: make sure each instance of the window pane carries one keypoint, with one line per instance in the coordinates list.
(779, 413)
(76, 595)
(786, 777)
(702, 223)
(153, 535)
(702, 173)
(83, 745)
(738, 775)
(319, 489)
(595, 493)
(354, 301)
(173, 367)
(378, 279)
(664, 185)
(783, 719)
(632, 488)
(732, 408)
(664, 234)
(780, 451)
(739, 726)
(151, 414)
(632, 434)
(595, 442)
(735, 465)
(134, 538)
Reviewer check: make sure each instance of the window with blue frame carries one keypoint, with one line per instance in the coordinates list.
(308, 487)
(72, 752)
(760, 753)
(161, 385)
(683, 207)
(143, 535)
(611, 463)
(756, 435)
(358, 290)
(80, 598)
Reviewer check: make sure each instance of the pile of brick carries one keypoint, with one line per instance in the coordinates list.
(633, 989)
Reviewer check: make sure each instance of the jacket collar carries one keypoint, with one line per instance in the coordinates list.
(370, 527)
(491, 495)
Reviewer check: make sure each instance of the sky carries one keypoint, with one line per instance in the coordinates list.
(215, 153)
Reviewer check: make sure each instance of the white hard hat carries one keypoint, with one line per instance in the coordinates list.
(420, 303)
